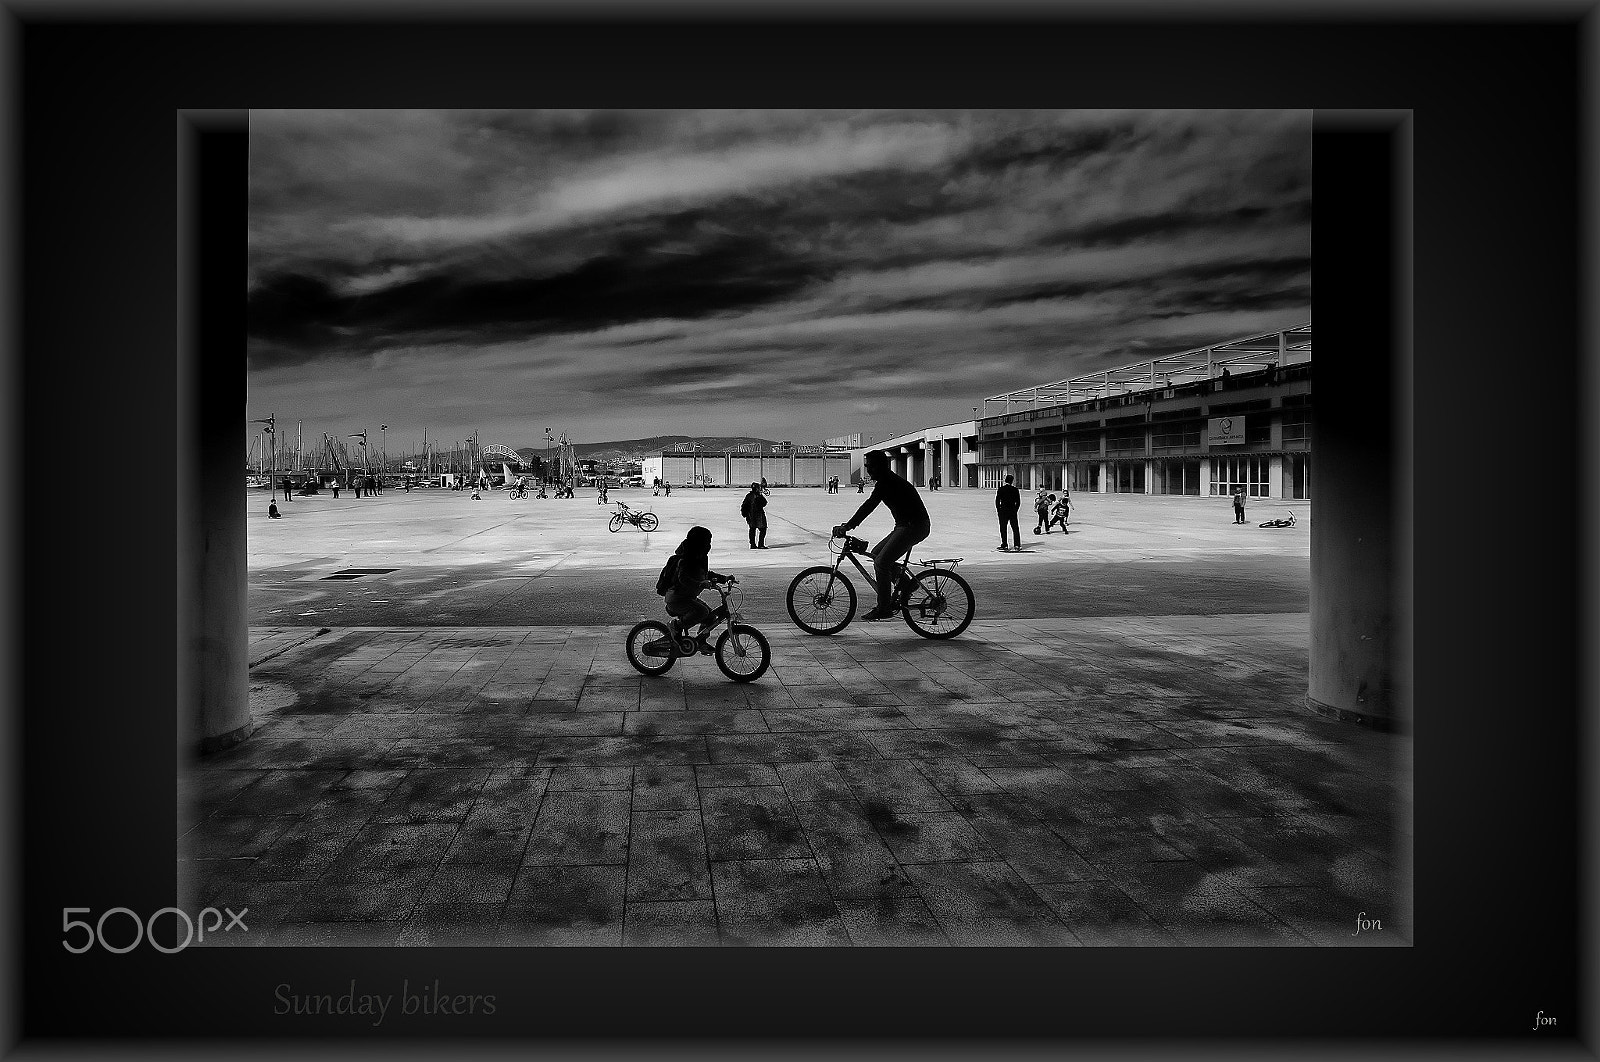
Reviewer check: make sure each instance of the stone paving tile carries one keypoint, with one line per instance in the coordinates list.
(433, 794)
(751, 822)
(815, 781)
(569, 779)
(489, 841)
(667, 857)
(664, 787)
(577, 828)
(390, 851)
(565, 905)
(334, 934)
(361, 901)
(834, 719)
(775, 903)
(893, 784)
(302, 853)
(649, 724)
(850, 853)
(1200, 909)
(1100, 914)
(683, 923)
(895, 920)
(987, 905)
(1031, 849)
(469, 884)
(789, 748)
(717, 776)
(451, 925)
(607, 698)
(930, 837)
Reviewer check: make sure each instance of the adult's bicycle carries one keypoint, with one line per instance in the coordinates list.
(1280, 521)
(742, 651)
(935, 601)
(517, 493)
(643, 520)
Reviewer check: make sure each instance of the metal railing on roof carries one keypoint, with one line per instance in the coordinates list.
(1291, 346)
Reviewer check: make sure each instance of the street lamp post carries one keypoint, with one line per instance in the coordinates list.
(385, 429)
(271, 429)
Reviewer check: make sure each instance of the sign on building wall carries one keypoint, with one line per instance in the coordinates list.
(1225, 431)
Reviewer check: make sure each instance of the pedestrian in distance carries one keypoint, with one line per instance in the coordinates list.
(336, 489)
(476, 496)
(861, 485)
(1007, 501)
(1238, 502)
(357, 484)
(1041, 506)
(911, 525)
(272, 510)
(754, 511)
(668, 488)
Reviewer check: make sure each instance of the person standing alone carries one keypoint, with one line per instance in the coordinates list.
(754, 511)
(1238, 503)
(1007, 502)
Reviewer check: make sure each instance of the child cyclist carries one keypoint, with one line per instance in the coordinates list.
(694, 575)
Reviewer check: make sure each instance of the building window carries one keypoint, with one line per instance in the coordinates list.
(1175, 436)
(1125, 440)
(1083, 444)
(1127, 477)
(1299, 466)
(1297, 425)
(1229, 473)
(1084, 476)
(1179, 475)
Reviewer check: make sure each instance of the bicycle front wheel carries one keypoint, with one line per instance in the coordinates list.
(648, 522)
(743, 653)
(939, 605)
(616, 522)
(649, 647)
(821, 602)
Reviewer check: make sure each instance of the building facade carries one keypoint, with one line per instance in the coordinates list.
(809, 466)
(949, 451)
(1204, 422)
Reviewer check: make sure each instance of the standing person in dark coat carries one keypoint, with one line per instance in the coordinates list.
(1007, 502)
(911, 525)
(1238, 504)
(754, 511)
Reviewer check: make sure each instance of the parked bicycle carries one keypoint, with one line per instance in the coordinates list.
(742, 651)
(1281, 521)
(644, 520)
(935, 602)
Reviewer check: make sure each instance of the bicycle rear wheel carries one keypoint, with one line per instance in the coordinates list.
(821, 602)
(616, 522)
(648, 522)
(743, 653)
(649, 648)
(939, 604)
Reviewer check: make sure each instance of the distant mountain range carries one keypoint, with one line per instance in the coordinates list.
(638, 449)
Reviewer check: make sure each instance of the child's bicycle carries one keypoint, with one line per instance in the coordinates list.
(1282, 521)
(644, 521)
(517, 492)
(935, 602)
(742, 651)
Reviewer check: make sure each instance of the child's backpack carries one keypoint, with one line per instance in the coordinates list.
(668, 576)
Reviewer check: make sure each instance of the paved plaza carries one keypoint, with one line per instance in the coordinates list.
(1116, 752)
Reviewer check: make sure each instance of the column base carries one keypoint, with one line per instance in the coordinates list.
(218, 742)
(1381, 723)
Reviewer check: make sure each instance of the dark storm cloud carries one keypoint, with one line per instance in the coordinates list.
(301, 317)
(730, 262)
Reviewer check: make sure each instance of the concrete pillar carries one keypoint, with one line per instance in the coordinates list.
(1105, 477)
(214, 683)
(1149, 477)
(1275, 477)
(1205, 477)
(1357, 645)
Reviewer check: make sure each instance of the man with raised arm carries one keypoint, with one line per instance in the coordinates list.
(910, 525)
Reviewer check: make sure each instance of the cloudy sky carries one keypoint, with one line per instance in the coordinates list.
(790, 275)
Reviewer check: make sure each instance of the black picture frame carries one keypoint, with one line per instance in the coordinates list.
(1486, 112)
